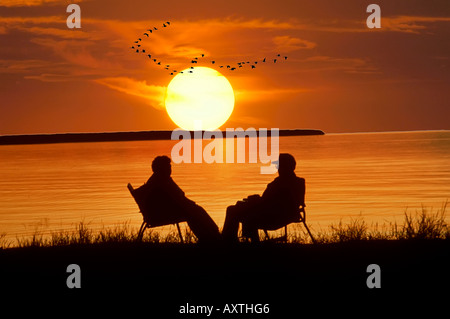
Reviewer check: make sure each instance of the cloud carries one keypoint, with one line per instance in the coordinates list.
(29, 3)
(346, 65)
(288, 44)
(49, 77)
(218, 37)
(267, 94)
(153, 94)
(410, 24)
(25, 22)
(234, 23)
(23, 66)
(404, 24)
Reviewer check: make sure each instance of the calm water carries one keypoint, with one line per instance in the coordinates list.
(376, 176)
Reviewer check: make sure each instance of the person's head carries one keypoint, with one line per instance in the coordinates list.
(286, 164)
(161, 166)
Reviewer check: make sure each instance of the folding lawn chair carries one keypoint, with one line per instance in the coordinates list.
(152, 219)
(301, 218)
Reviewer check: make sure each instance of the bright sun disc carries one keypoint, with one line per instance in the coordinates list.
(201, 100)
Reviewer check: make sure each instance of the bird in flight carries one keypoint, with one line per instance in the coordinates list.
(196, 60)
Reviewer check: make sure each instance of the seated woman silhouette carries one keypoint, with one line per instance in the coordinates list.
(166, 202)
(277, 207)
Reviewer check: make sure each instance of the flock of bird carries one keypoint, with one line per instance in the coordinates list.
(138, 48)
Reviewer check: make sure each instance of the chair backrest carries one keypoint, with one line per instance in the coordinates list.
(153, 217)
(136, 198)
(130, 188)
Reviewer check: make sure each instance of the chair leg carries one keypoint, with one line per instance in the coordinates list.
(141, 231)
(282, 238)
(285, 234)
(309, 232)
(179, 233)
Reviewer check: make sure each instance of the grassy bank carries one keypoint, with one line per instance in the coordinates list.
(159, 275)
(423, 224)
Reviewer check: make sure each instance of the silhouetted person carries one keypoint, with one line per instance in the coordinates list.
(166, 202)
(278, 205)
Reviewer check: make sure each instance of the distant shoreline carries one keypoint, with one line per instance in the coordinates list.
(117, 137)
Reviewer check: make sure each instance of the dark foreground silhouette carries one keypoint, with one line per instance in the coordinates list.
(156, 279)
(162, 202)
(282, 203)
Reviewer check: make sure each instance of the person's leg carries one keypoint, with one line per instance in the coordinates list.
(231, 225)
(250, 224)
(250, 230)
(201, 224)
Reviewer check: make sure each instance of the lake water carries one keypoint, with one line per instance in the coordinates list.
(376, 176)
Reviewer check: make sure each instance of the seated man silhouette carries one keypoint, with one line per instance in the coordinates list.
(277, 207)
(166, 203)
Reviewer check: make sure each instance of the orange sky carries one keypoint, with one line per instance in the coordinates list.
(340, 76)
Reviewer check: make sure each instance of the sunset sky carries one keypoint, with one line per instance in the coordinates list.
(340, 76)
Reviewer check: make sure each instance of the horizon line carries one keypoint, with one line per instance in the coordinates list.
(224, 130)
(53, 138)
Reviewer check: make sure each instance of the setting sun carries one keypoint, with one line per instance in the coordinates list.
(199, 99)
